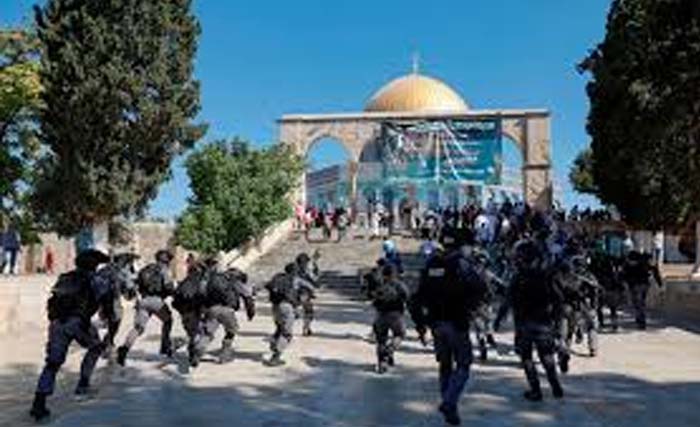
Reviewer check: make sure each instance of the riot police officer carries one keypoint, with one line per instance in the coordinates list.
(225, 291)
(284, 297)
(154, 285)
(110, 316)
(389, 299)
(75, 299)
(638, 271)
(449, 292)
(308, 273)
(190, 301)
(535, 301)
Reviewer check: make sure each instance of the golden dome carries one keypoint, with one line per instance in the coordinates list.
(416, 93)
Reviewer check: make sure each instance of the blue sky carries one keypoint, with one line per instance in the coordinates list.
(260, 59)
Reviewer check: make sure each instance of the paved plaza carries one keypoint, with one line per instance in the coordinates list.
(640, 379)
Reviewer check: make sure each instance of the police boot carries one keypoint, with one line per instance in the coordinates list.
(226, 354)
(166, 349)
(450, 414)
(483, 351)
(307, 332)
(564, 362)
(194, 358)
(276, 360)
(491, 340)
(535, 392)
(39, 410)
(83, 387)
(121, 355)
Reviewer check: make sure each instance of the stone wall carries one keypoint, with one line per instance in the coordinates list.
(148, 237)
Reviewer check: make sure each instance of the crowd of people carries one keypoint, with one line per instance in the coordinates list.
(482, 264)
(479, 266)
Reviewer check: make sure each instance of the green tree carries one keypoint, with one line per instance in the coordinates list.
(645, 109)
(19, 102)
(120, 97)
(581, 173)
(238, 192)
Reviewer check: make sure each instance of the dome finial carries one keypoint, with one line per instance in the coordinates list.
(416, 62)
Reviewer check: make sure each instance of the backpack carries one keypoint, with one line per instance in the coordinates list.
(281, 289)
(191, 292)
(150, 280)
(221, 291)
(71, 295)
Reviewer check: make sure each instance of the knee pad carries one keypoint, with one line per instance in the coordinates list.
(229, 335)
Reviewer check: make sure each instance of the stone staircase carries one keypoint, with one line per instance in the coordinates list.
(340, 262)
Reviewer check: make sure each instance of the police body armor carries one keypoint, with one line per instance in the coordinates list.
(221, 290)
(151, 281)
(282, 289)
(72, 295)
(451, 290)
(388, 297)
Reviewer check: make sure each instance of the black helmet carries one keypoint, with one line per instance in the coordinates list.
(90, 259)
(390, 270)
(291, 268)
(124, 259)
(237, 274)
(452, 237)
(449, 238)
(303, 258)
(526, 253)
(164, 256)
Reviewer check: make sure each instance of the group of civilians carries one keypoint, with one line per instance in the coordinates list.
(10, 247)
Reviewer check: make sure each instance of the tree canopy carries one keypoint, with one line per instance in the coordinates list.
(645, 105)
(581, 173)
(119, 103)
(19, 102)
(238, 192)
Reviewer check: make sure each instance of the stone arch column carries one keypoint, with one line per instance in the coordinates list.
(352, 134)
(533, 135)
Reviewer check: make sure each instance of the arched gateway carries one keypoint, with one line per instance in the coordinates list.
(417, 109)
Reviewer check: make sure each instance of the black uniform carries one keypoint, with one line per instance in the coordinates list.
(389, 300)
(637, 272)
(606, 270)
(75, 299)
(536, 301)
(449, 292)
(190, 300)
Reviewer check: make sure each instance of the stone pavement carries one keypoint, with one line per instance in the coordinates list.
(640, 378)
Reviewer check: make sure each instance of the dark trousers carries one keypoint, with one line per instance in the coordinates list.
(61, 335)
(453, 351)
(530, 336)
(393, 322)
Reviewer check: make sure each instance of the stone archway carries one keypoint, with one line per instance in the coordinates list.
(530, 129)
(353, 135)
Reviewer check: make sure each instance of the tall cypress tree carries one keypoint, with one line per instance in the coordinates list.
(120, 99)
(645, 109)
